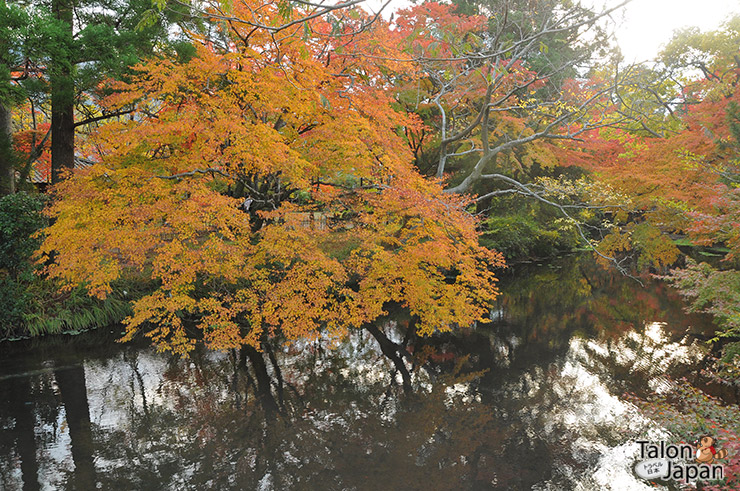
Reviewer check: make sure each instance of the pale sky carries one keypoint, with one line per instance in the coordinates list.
(647, 24)
(644, 24)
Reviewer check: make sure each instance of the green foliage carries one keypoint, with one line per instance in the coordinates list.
(690, 47)
(645, 242)
(13, 301)
(38, 308)
(20, 219)
(656, 249)
(519, 226)
(711, 291)
(13, 21)
(108, 39)
(520, 236)
(726, 368)
(184, 51)
(117, 37)
(71, 312)
(730, 352)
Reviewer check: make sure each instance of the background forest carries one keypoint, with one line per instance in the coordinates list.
(236, 172)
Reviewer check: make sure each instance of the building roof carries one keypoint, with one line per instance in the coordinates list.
(41, 171)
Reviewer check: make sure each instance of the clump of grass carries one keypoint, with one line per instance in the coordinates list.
(77, 314)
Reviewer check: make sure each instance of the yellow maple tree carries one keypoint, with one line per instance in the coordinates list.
(264, 188)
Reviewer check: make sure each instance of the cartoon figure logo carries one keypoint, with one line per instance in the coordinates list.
(705, 451)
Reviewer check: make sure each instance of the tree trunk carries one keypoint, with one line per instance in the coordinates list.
(7, 171)
(394, 352)
(264, 385)
(62, 97)
(7, 177)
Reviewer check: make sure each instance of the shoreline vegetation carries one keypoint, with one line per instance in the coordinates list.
(33, 305)
(37, 305)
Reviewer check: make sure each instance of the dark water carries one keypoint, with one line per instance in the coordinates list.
(531, 400)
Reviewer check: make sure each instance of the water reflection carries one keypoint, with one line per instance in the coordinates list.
(530, 400)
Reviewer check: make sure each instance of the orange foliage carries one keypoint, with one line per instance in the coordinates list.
(278, 111)
(679, 170)
(25, 142)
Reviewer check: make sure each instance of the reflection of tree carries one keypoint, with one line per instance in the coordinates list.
(395, 352)
(340, 425)
(37, 379)
(71, 382)
(17, 396)
(559, 338)
(576, 295)
(612, 314)
(525, 399)
(264, 383)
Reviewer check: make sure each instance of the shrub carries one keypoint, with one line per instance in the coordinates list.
(70, 312)
(20, 219)
(711, 291)
(520, 236)
(32, 305)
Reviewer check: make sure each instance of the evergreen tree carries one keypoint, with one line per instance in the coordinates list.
(69, 48)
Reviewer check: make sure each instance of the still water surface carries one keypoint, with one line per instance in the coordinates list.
(531, 400)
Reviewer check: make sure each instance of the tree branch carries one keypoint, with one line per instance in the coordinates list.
(102, 117)
(209, 170)
(523, 189)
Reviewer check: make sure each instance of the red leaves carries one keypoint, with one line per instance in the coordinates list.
(30, 144)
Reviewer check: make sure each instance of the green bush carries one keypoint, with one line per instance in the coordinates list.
(13, 302)
(20, 219)
(520, 236)
(711, 291)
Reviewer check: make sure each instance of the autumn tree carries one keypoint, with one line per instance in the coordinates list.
(506, 94)
(262, 188)
(495, 85)
(684, 176)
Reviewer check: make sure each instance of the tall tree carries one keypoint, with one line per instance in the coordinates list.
(62, 91)
(11, 22)
(78, 44)
(494, 83)
(504, 91)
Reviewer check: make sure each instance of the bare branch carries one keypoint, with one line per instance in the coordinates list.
(102, 117)
(209, 170)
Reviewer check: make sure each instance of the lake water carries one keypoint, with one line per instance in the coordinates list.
(533, 399)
